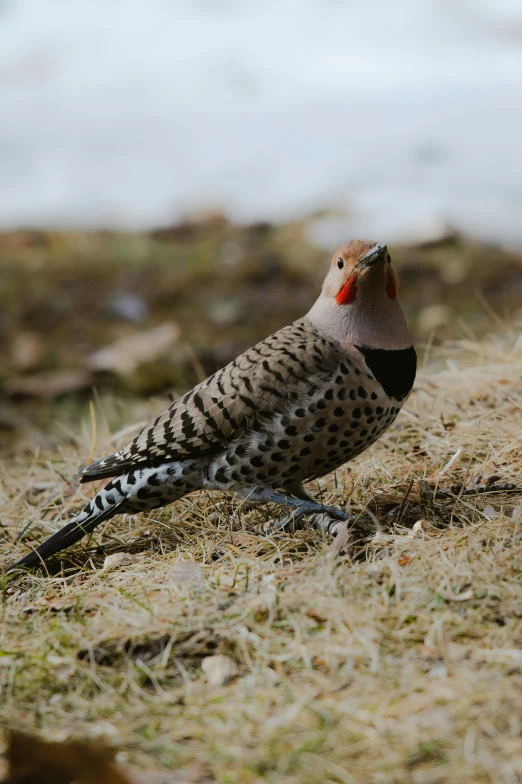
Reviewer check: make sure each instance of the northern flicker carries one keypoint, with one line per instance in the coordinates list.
(289, 410)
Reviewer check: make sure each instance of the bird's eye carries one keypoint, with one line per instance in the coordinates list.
(340, 262)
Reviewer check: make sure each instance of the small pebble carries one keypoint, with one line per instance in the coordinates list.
(219, 669)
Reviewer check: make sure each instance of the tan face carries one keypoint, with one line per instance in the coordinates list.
(360, 269)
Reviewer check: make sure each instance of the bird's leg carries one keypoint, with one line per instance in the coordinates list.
(297, 490)
(300, 507)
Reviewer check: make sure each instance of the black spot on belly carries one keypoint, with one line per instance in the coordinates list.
(395, 370)
(221, 475)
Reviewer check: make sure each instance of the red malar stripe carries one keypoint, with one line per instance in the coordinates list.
(391, 287)
(348, 293)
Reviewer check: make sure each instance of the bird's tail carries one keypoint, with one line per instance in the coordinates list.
(107, 502)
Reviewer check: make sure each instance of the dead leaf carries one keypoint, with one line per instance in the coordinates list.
(34, 761)
(48, 385)
(126, 354)
(31, 760)
(26, 350)
(419, 527)
(115, 560)
(315, 616)
(341, 541)
(219, 669)
(319, 663)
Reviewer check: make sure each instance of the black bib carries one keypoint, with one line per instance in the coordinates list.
(394, 369)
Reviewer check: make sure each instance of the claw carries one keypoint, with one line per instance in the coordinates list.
(322, 521)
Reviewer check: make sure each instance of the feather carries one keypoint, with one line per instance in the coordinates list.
(237, 399)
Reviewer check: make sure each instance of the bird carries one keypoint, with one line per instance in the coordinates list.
(287, 411)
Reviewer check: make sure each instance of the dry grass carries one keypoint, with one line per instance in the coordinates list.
(401, 662)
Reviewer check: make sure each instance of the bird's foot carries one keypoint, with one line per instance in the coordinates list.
(305, 512)
(337, 527)
(330, 520)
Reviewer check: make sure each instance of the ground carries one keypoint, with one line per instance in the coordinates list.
(398, 660)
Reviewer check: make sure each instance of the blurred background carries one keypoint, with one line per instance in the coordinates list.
(174, 175)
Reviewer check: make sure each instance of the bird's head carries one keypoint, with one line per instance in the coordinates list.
(360, 270)
(358, 301)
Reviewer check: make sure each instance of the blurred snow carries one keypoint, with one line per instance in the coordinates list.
(403, 116)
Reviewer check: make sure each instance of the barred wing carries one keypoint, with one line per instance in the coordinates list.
(239, 398)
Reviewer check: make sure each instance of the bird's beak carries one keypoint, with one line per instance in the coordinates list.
(372, 256)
